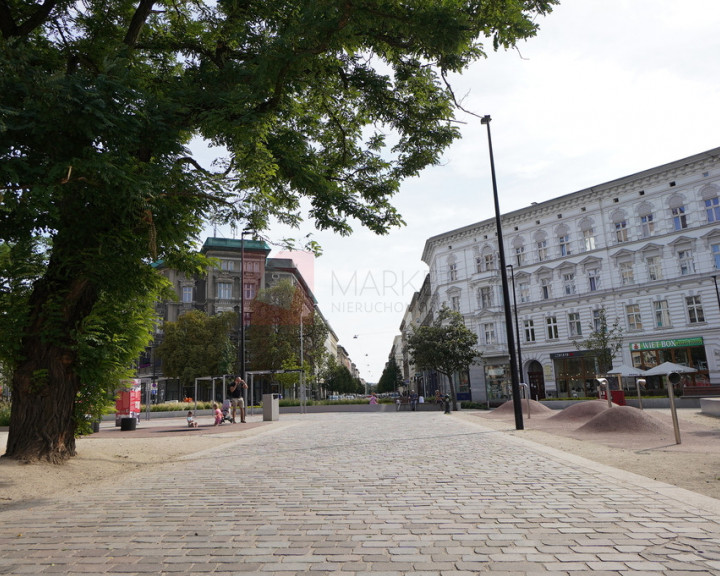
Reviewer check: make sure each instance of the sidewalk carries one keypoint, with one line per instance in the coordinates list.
(358, 494)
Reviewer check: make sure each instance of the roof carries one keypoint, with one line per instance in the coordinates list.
(234, 245)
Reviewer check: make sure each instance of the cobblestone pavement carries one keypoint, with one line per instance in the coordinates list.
(386, 494)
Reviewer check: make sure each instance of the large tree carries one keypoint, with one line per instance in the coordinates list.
(446, 346)
(336, 101)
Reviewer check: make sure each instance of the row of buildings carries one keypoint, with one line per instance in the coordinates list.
(244, 269)
(644, 248)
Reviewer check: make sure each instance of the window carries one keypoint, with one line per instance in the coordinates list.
(455, 303)
(552, 328)
(662, 314)
(574, 324)
(529, 330)
(224, 290)
(489, 262)
(227, 265)
(524, 291)
(486, 299)
(187, 294)
(520, 255)
(564, 243)
(569, 283)
(594, 279)
(452, 271)
(249, 292)
(621, 233)
(712, 209)
(627, 275)
(545, 288)
(633, 316)
(489, 333)
(588, 239)
(597, 317)
(716, 255)
(694, 308)
(654, 268)
(687, 264)
(647, 225)
(542, 250)
(679, 218)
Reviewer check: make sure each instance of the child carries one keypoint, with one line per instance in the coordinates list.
(218, 414)
(192, 423)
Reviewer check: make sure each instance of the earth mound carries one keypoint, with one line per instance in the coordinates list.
(581, 411)
(508, 408)
(623, 419)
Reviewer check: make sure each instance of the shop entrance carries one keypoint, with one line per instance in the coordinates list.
(536, 380)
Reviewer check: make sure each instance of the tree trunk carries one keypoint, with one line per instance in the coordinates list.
(45, 384)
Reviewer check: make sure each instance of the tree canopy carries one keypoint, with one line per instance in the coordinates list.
(390, 378)
(446, 346)
(335, 102)
(198, 345)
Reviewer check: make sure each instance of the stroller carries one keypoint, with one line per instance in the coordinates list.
(226, 412)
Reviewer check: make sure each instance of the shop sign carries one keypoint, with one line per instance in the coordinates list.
(673, 343)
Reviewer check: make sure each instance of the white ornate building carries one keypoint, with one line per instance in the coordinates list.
(645, 248)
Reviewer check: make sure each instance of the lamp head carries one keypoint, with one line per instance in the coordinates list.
(674, 378)
(485, 120)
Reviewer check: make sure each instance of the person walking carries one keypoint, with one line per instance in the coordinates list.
(237, 389)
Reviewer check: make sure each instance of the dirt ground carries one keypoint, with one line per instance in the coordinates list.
(634, 440)
(642, 442)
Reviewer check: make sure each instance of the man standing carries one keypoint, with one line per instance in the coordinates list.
(237, 390)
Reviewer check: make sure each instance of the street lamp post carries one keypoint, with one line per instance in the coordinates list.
(506, 292)
(517, 324)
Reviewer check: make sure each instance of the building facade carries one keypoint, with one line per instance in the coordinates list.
(644, 249)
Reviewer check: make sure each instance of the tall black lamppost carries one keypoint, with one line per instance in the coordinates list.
(517, 324)
(717, 292)
(242, 304)
(506, 292)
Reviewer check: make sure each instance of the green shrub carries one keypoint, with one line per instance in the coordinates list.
(4, 413)
(467, 405)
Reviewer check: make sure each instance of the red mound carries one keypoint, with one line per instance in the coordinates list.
(624, 419)
(581, 411)
(508, 408)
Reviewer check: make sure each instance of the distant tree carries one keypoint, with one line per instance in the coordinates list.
(340, 380)
(390, 378)
(198, 345)
(604, 342)
(446, 346)
(275, 336)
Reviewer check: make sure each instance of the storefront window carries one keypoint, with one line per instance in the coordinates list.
(575, 374)
(685, 351)
(498, 384)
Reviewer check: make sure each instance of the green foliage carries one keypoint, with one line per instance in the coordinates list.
(4, 413)
(198, 345)
(390, 378)
(339, 379)
(604, 342)
(274, 337)
(446, 346)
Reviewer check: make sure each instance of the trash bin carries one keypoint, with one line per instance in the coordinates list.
(128, 423)
(271, 407)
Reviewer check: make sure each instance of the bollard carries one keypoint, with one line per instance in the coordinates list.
(447, 403)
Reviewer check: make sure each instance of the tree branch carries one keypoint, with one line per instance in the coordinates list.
(8, 26)
(137, 22)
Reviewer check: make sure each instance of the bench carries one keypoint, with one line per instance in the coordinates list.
(701, 391)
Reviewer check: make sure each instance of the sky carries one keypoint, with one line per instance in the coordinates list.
(606, 89)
